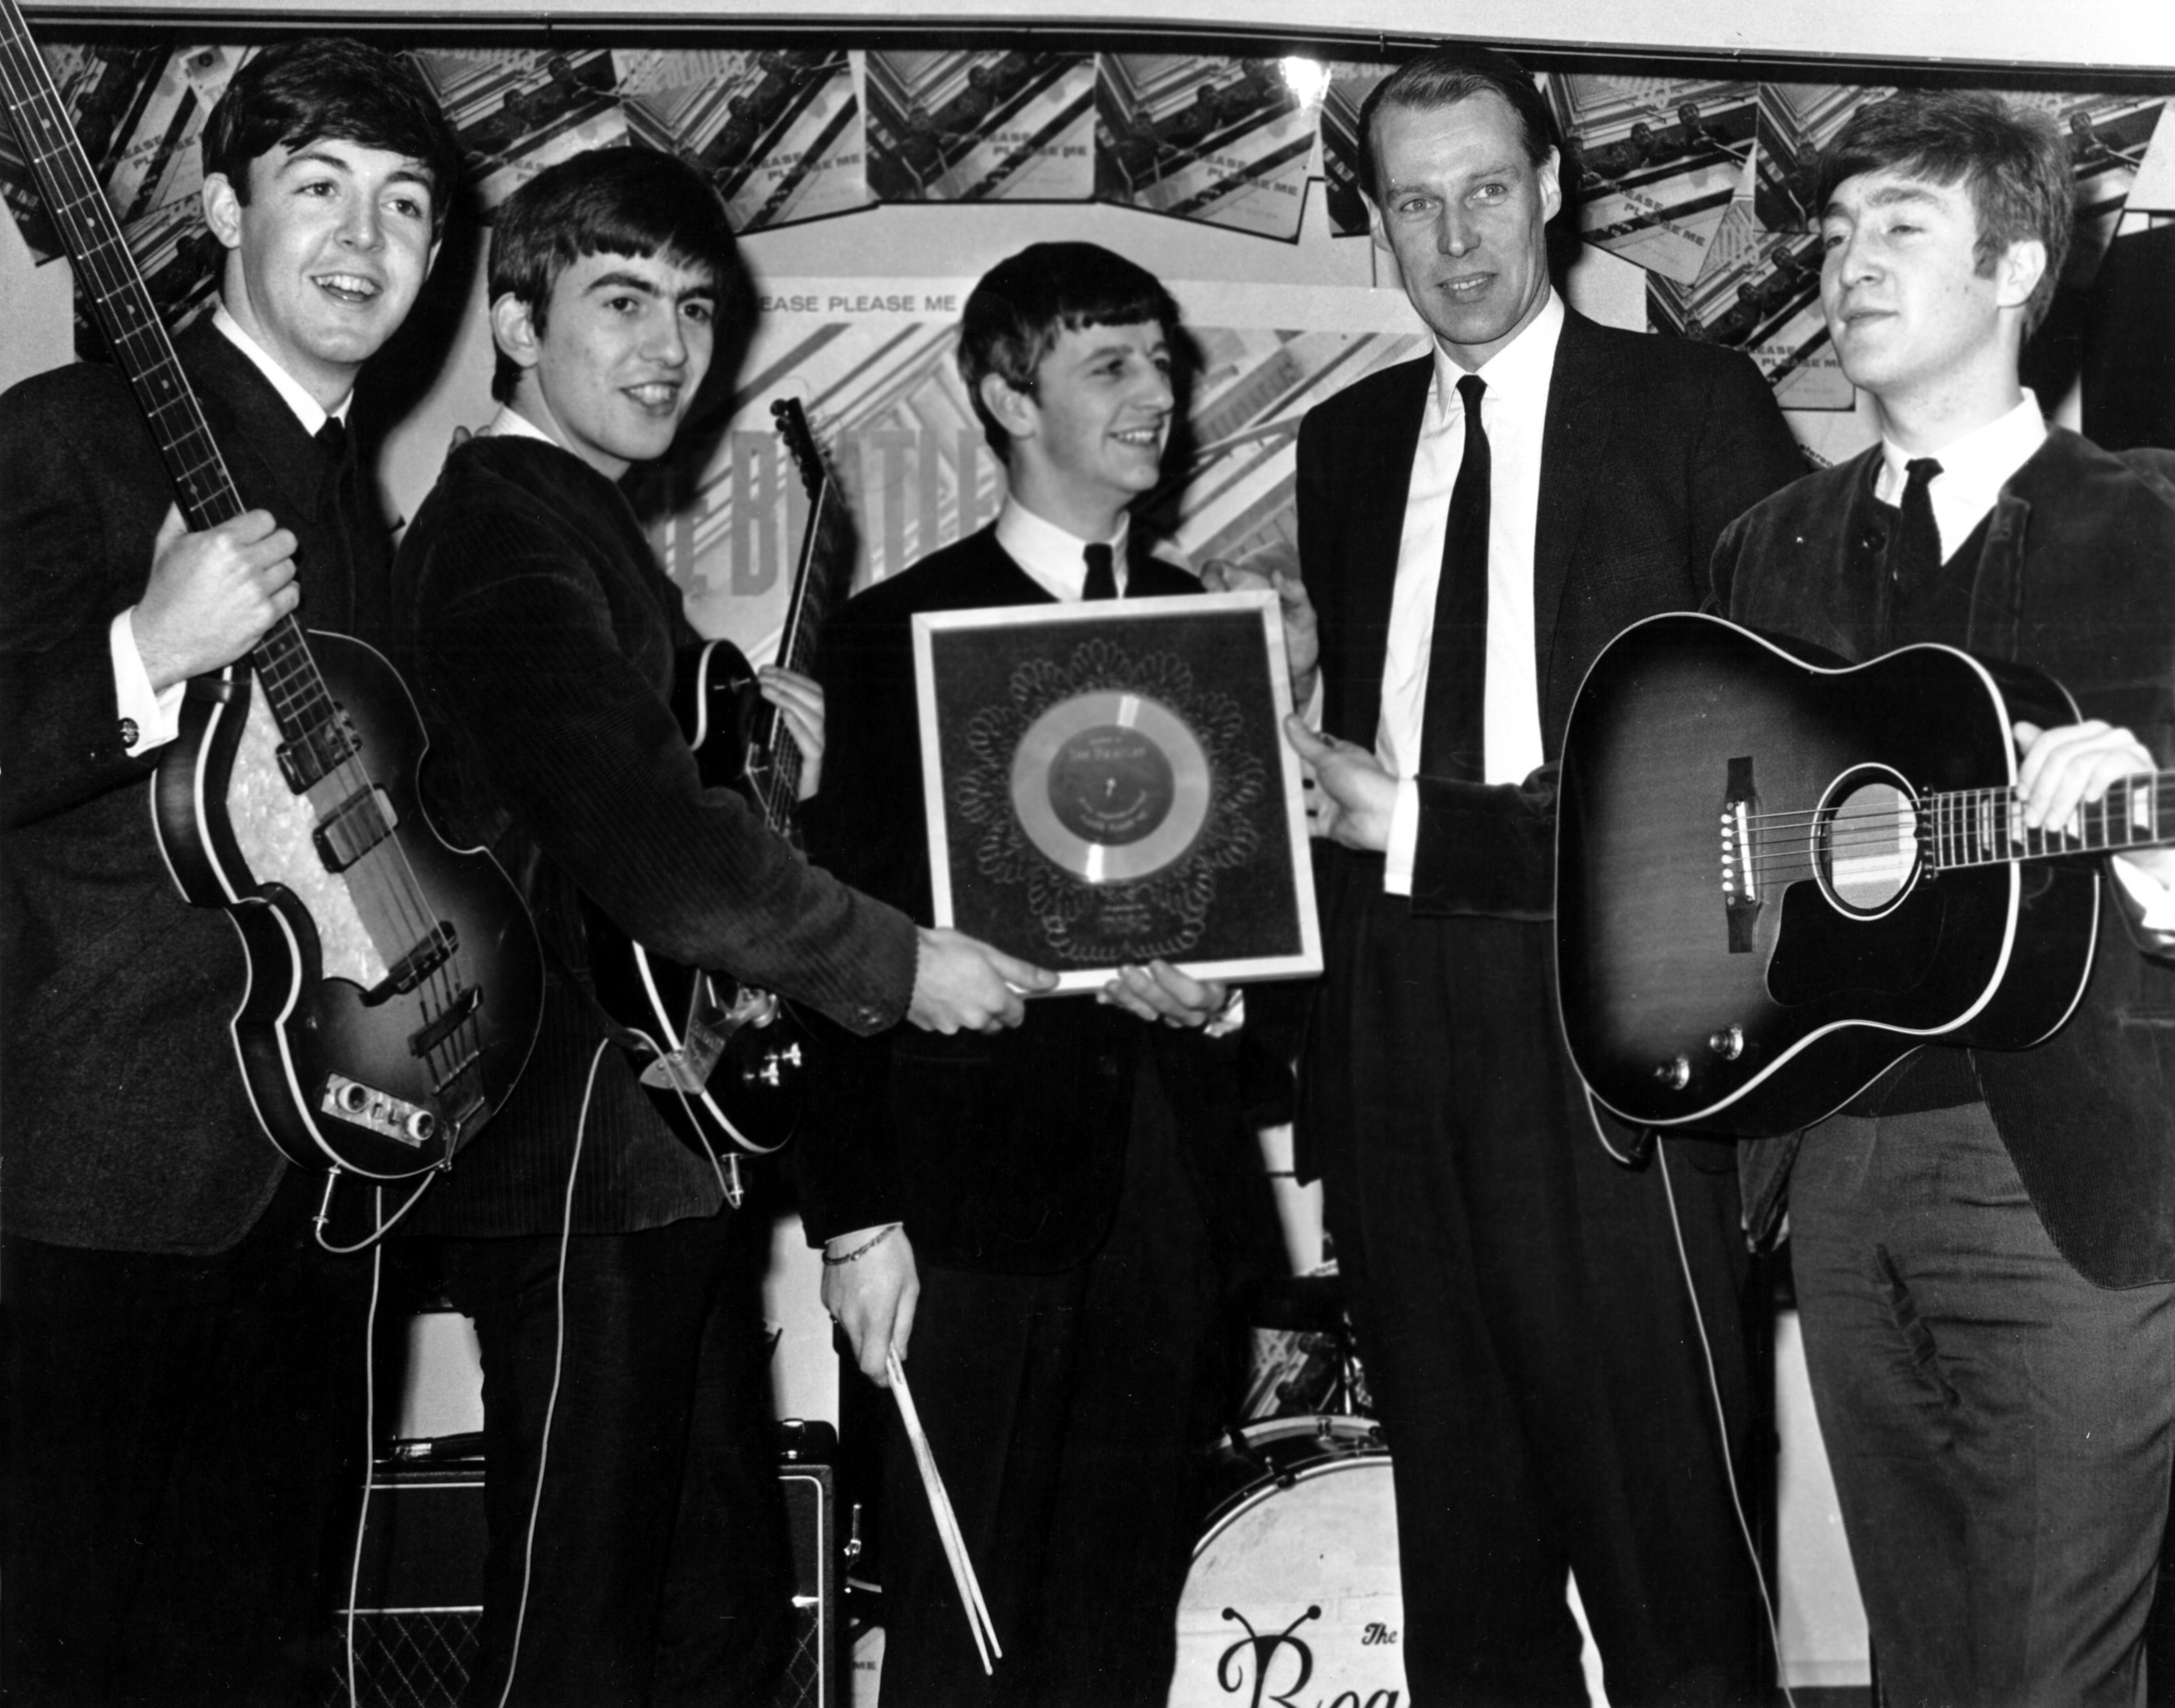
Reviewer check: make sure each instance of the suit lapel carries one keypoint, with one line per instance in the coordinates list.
(252, 423)
(1574, 438)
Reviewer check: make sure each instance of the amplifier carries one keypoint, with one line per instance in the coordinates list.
(420, 1593)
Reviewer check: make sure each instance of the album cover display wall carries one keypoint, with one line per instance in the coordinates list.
(1702, 184)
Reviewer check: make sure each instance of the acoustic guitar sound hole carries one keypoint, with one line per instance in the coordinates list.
(1869, 847)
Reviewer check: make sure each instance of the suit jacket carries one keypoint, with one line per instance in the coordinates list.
(2073, 579)
(542, 652)
(1005, 1152)
(128, 1128)
(1650, 446)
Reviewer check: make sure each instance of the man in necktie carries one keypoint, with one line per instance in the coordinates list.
(1474, 527)
(1021, 1217)
(184, 1368)
(1984, 1241)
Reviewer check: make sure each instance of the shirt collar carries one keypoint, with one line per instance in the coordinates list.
(1521, 368)
(1974, 468)
(1051, 555)
(312, 414)
(509, 423)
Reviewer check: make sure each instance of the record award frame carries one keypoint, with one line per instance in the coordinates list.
(1109, 784)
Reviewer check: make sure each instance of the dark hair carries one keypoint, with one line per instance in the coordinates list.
(1445, 78)
(611, 201)
(2011, 160)
(330, 89)
(1016, 313)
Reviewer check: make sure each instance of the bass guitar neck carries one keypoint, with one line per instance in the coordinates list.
(395, 983)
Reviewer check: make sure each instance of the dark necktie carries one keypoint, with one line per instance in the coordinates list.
(1917, 557)
(1102, 577)
(1453, 740)
(336, 458)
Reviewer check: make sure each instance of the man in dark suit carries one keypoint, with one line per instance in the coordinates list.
(637, 1547)
(1026, 1210)
(1473, 528)
(183, 1364)
(1984, 1241)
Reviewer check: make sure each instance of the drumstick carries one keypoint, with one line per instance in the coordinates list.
(947, 1521)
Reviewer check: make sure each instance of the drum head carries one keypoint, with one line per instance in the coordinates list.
(1294, 1583)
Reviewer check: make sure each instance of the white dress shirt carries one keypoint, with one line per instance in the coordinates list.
(1514, 410)
(156, 713)
(1973, 471)
(1056, 560)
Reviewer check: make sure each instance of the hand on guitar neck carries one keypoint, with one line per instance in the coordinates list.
(799, 701)
(213, 594)
(2074, 765)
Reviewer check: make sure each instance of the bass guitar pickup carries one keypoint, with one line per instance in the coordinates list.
(438, 946)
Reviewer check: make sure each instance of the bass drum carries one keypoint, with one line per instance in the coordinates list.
(1292, 1595)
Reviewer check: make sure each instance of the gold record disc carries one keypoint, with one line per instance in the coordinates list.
(1112, 786)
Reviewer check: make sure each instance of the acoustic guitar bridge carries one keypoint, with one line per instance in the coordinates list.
(1741, 882)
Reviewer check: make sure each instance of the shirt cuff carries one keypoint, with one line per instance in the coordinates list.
(150, 717)
(1402, 852)
(2155, 900)
(1230, 1017)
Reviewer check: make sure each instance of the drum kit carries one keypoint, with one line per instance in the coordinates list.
(1293, 1596)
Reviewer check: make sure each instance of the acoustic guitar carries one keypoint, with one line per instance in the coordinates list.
(395, 983)
(1776, 873)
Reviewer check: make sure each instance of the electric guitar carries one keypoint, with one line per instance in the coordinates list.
(725, 1063)
(395, 983)
(1775, 875)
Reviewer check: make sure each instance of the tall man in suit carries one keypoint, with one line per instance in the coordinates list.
(1984, 1241)
(638, 1550)
(183, 1364)
(1024, 1218)
(1473, 527)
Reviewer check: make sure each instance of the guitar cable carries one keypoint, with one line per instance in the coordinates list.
(730, 1186)
(1721, 1418)
(369, 1418)
(325, 1213)
(1656, 1149)
(728, 1171)
(558, 1369)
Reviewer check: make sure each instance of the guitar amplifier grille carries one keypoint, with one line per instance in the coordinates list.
(422, 1577)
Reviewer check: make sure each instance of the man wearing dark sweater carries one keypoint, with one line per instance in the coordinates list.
(1024, 1219)
(1985, 1240)
(637, 1552)
(184, 1364)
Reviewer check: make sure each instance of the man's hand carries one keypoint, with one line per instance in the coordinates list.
(873, 1297)
(213, 594)
(2072, 766)
(1302, 630)
(1159, 991)
(962, 985)
(1353, 795)
(800, 698)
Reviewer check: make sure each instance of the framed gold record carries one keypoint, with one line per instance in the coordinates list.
(1108, 785)
(1111, 786)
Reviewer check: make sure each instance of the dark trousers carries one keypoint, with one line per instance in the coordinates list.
(1998, 1428)
(658, 1569)
(1523, 1319)
(1058, 1409)
(184, 1452)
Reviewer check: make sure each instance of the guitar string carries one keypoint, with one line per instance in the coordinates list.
(78, 204)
